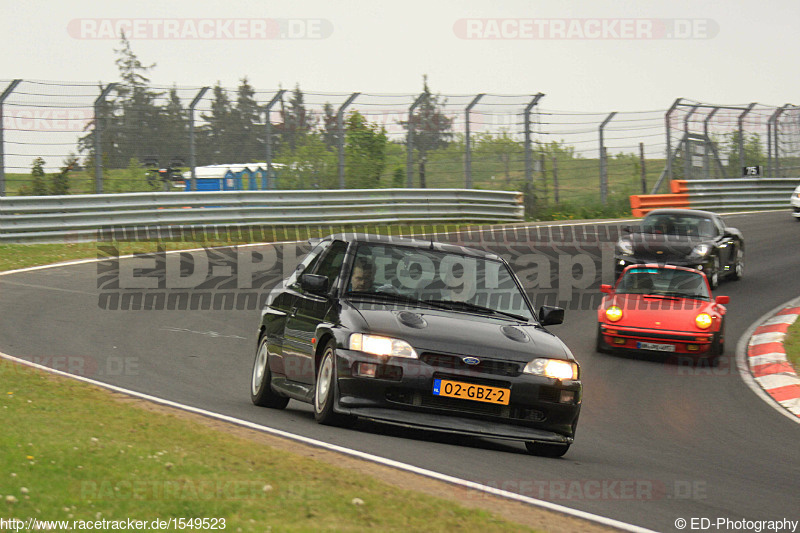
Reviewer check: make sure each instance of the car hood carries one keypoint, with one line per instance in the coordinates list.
(655, 312)
(663, 247)
(444, 331)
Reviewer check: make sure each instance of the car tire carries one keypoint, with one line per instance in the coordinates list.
(713, 278)
(261, 392)
(738, 265)
(546, 449)
(325, 391)
(600, 344)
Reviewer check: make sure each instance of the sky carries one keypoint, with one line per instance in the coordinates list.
(584, 55)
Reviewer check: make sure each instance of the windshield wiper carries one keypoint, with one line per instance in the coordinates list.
(395, 297)
(466, 306)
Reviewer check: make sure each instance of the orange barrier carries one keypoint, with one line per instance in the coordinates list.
(641, 204)
(679, 186)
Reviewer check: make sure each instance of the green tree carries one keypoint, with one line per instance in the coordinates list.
(310, 166)
(131, 119)
(140, 121)
(498, 154)
(753, 154)
(217, 145)
(365, 152)
(174, 130)
(432, 127)
(38, 184)
(297, 121)
(60, 181)
(248, 135)
(330, 127)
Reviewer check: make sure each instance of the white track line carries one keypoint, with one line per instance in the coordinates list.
(610, 522)
(347, 451)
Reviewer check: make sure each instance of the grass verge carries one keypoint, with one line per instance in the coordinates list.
(792, 345)
(71, 451)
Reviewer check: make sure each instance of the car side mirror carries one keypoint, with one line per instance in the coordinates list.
(608, 289)
(314, 283)
(722, 299)
(550, 316)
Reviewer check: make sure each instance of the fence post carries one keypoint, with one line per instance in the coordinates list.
(642, 170)
(543, 170)
(528, 150)
(268, 132)
(773, 121)
(740, 123)
(555, 180)
(603, 167)
(667, 120)
(707, 145)
(98, 139)
(468, 153)
(687, 155)
(410, 142)
(340, 129)
(6, 93)
(192, 106)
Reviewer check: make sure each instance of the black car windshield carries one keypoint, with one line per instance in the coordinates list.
(671, 224)
(663, 282)
(439, 279)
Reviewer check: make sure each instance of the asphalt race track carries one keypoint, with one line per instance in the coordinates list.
(656, 441)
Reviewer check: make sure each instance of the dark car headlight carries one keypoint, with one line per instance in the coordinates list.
(382, 346)
(625, 247)
(701, 251)
(552, 368)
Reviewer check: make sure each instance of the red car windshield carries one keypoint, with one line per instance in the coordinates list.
(664, 282)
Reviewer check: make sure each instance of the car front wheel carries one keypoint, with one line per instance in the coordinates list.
(261, 392)
(738, 265)
(325, 391)
(713, 276)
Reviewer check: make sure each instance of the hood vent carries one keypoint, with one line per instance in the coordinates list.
(515, 334)
(412, 320)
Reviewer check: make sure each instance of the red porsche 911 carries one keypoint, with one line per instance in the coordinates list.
(662, 308)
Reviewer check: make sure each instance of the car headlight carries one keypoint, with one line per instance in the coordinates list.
(625, 246)
(701, 251)
(614, 313)
(383, 346)
(552, 368)
(703, 320)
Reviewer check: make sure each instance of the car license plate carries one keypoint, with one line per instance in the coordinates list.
(656, 347)
(469, 391)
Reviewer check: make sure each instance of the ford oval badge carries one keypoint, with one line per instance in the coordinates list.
(471, 360)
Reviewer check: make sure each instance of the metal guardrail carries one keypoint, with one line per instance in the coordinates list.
(741, 194)
(80, 217)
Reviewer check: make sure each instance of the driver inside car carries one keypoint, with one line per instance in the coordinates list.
(363, 276)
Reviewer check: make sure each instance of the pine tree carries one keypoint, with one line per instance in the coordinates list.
(38, 184)
(432, 127)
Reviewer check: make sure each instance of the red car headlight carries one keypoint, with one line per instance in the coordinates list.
(614, 313)
(703, 320)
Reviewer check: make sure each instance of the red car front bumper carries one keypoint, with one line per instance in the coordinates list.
(612, 337)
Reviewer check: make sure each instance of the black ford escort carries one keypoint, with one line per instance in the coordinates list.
(417, 334)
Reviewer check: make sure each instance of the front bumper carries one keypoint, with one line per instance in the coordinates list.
(627, 339)
(402, 394)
